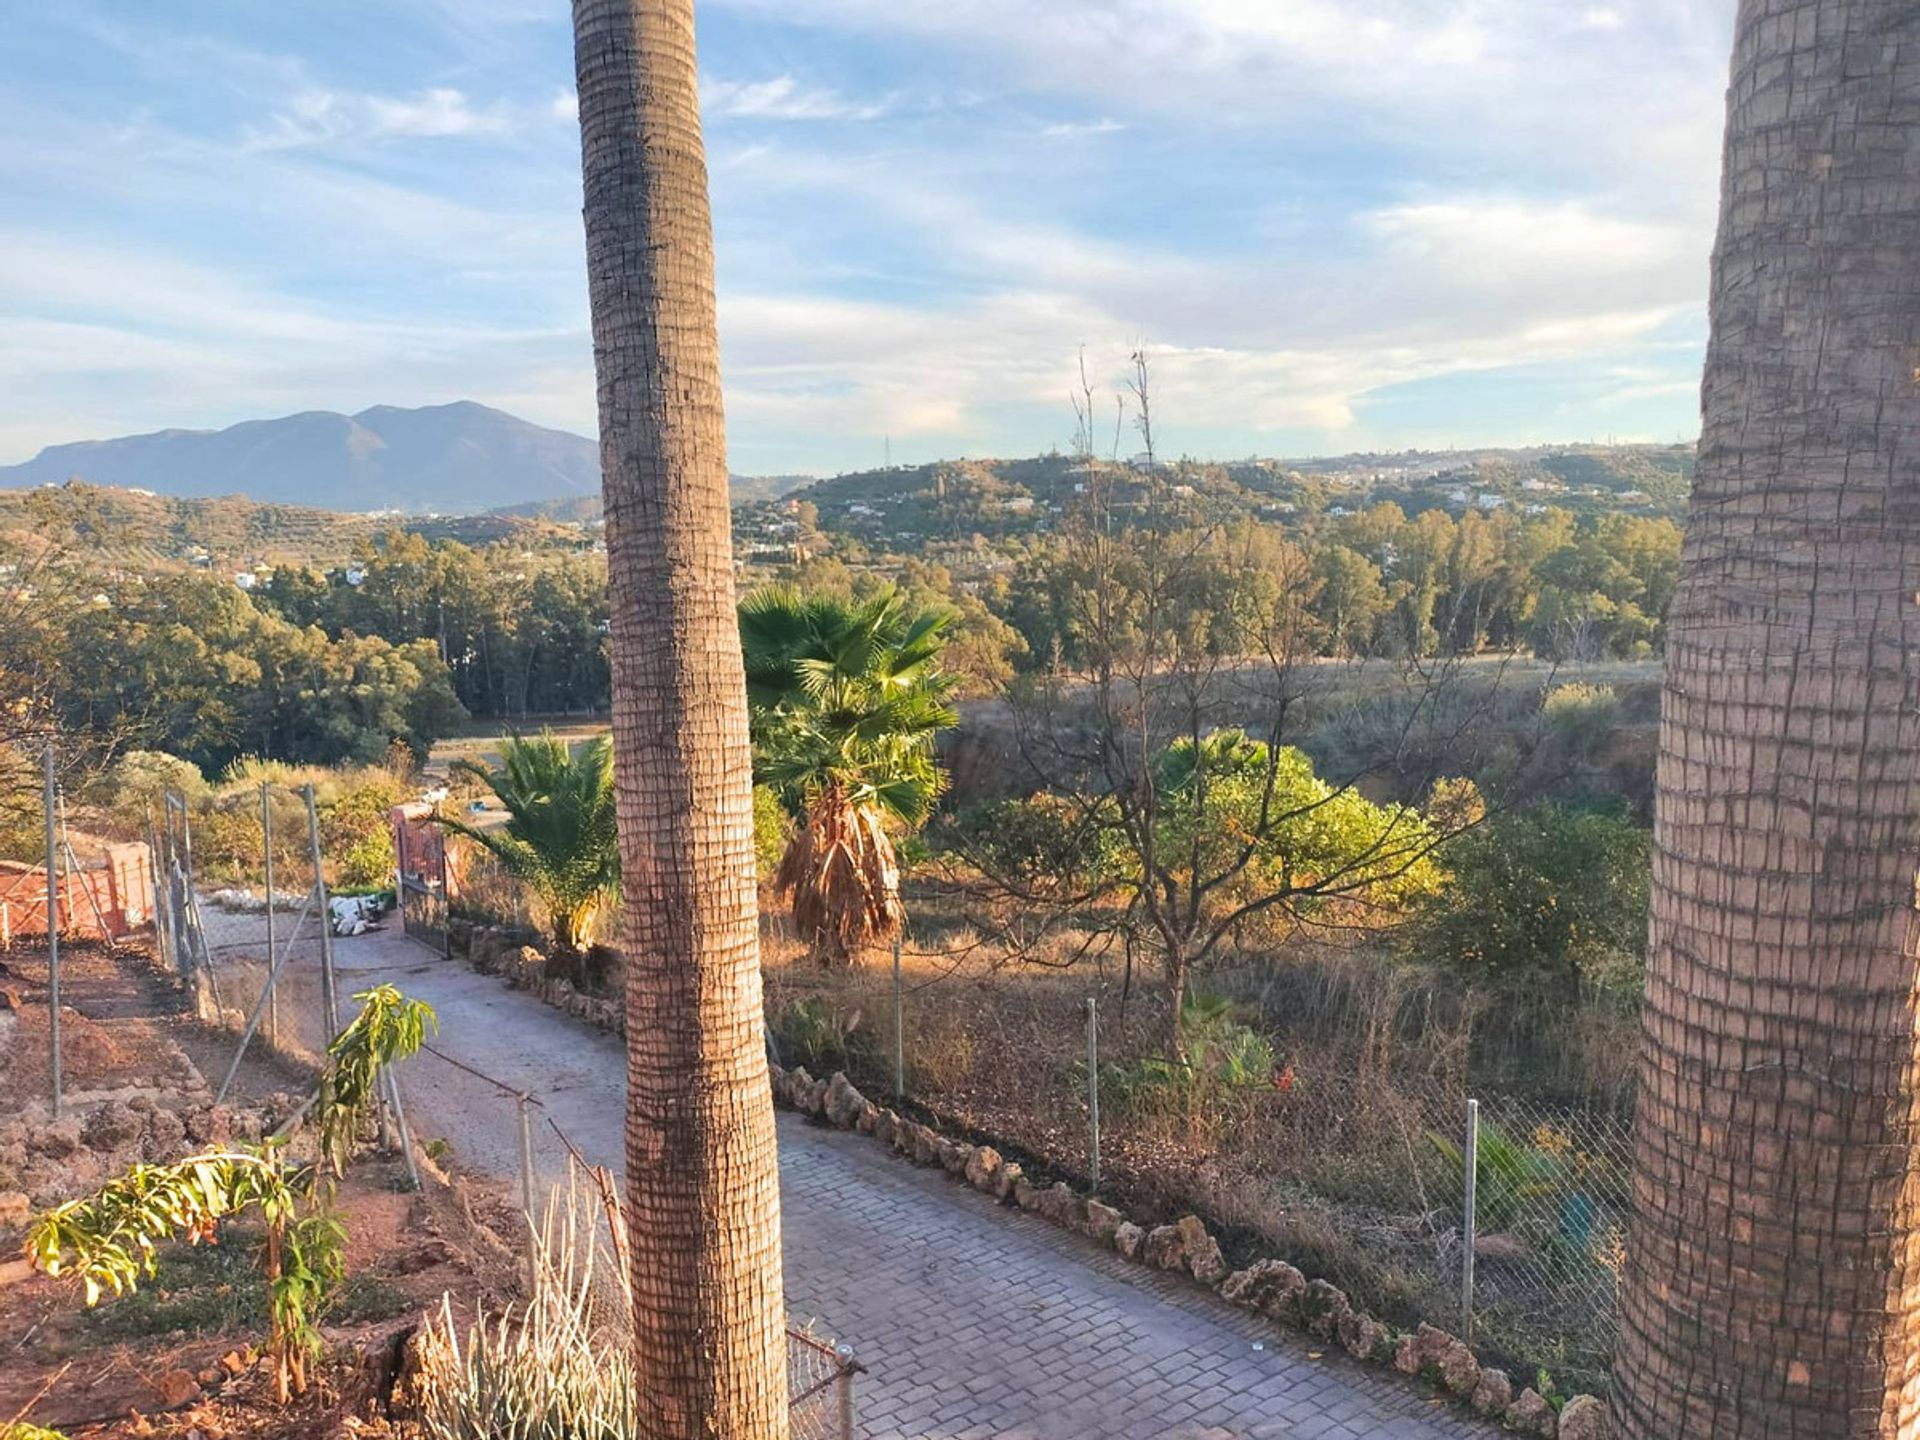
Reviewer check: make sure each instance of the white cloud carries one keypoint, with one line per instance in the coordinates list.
(1076, 129)
(320, 117)
(1486, 80)
(435, 113)
(1483, 184)
(782, 98)
(1512, 242)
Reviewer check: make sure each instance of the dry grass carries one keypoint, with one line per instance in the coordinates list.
(1327, 1160)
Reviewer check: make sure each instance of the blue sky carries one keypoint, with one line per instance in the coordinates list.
(1336, 224)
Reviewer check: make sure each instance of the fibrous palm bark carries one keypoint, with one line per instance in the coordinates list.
(1772, 1285)
(702, 1182)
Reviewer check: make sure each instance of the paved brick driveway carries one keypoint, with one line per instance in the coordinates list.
(974, 1319)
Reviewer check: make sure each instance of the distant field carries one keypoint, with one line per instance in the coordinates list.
(989, 718)
(481, 739)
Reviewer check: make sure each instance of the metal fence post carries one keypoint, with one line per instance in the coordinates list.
(400, 1122)
(843, 1355)
(1093, 1090)
(446, 897)
(155, 910)
(526, 1187)
(53, 927)
(260, 1005)
(899, 1032)
(1470, 1223)
(266, 844)
(329, 987)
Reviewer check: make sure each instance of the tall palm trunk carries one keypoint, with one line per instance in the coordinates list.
(1773, 1278)
(702, 1183)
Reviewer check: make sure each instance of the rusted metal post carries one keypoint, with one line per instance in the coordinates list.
(53, 924)
(266, 841)
(899, 1031)
(446, 898)
(329, 985)
(1093, 1091)
(1470, 1223)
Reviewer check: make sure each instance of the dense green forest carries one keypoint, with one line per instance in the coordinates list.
(220, 628)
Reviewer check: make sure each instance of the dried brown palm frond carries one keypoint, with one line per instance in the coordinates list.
(844, 878)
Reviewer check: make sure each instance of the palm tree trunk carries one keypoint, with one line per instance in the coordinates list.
(1772, 1285)
(702, 1180)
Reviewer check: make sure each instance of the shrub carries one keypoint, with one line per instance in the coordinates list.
(1041, 844)
(818, 1034)
(356, 833)
(1509, 1175)
(1583, 715)
(772, 829)
(1548, 893)
(1223, 1056)
(109, 1240)
(136, 783)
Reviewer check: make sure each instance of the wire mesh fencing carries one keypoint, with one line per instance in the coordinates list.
(247, 921)
(1358, 1171)
(1544, 1225)
(556, 1178)
(820, 1378)
(81, 890)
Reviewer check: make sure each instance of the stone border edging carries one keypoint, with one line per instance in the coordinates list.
(1271, 1288)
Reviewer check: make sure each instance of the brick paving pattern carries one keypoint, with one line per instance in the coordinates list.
(973, 1319)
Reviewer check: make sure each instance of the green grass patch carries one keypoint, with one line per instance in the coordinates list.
(206, 1290)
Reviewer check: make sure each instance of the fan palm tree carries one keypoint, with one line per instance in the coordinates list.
(560, 839)
(847, 700)
(1772, 1279)
(702, 1173)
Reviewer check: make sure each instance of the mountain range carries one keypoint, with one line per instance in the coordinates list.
(443, 459)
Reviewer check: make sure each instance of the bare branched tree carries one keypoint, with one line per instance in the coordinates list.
(1174, 811)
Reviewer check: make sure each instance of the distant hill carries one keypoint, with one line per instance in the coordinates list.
(443, 459)
(584, 509)
(905, 506)
(233, 532)
(160, 531)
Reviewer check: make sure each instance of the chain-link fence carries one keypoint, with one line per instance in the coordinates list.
(1549, 1208)
(819, 1387)
(1357, 1172)
(81, 890)
(555, 1178)
(246, 919)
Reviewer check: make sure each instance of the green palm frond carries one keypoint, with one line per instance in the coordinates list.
(561, 837)
(847, 700)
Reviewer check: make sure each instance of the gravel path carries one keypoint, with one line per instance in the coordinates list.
(973, 1319)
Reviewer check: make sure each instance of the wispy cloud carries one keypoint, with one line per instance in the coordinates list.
(783, 98)
(319, 117)
(1076, 129)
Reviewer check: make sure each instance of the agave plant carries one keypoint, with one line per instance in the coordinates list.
(560, 839)
(847, 700)
(559, 1366)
